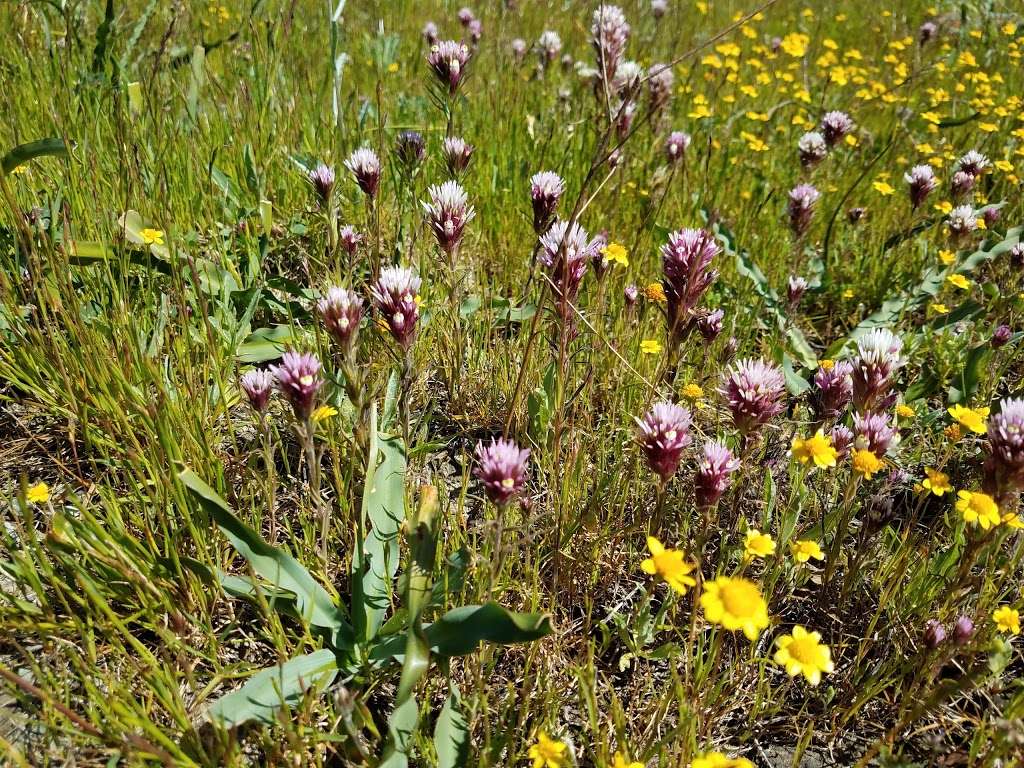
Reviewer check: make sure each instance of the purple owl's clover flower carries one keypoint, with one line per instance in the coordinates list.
(342, 311)
(298, 379)
(448, 60)
(501, 467)
(686, 262)
(396, 296)
(365, 167)
(546, 189)
(664, 433)
(257, 386)
(754, 391)
(447, 213)
(714, 468)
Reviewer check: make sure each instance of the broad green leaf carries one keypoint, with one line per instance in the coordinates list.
(23, 153)
(382, 513)
(451, 734)
(268, 690)
(265, 344)
(462, 630)
(401, 728)
(965, 384)
(282, 570)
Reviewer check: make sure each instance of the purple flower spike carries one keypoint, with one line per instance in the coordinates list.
(501, 467)
(610, 33)
(546, 189)
(549, 45)
(448, 212)
(257, 385)
(963, 630)
(973, 163)
(812, 148)
(1004, 468)
(833, 389)
(457, 154)
(962, 221)
(565, 252)
(710, 325)
(922, 181)
(802, 200)
(349, 239)
(298, 379)
(676, 146)
(410, 148)
(926, 32)
(341, 311)
(660, 83)
(934, 634)
(714, 468)
(842, 440)
(365, 166)
(795, 290)
(430, 33)
(322, 180)
(686, 261)
(1001, 336)
(873, 432)
(754, 390)
(835, 126)
(664, 433)
(961, 184)
(878, 359)
(448, 60)
(395, 296)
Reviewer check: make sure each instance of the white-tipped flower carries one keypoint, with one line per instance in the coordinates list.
(448, 212)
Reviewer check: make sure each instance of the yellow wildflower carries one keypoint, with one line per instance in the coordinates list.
(959, 281)
(654, 292)
(616, 254)
(324, 412)
(720, 760)
(937, 482)
(152, 236)
(904, 411)
(670, 565)
(817, 448)
(692, 391)
(650, 346)
(758, 544)
(735, 603)
(38, 493)
(883, 188)
(621, 761)
(795, 44)
(978, 508)
(548, 753)
(1007, 620)
(866, 464)
(804, 549)
(972, 418)
(802, 653)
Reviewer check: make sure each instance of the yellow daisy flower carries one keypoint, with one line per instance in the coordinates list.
(972, 418)
(668, 564)
(1007, 620)
(621, 761)
(805, 549)
(650, 346)
(735, 603)
(978, 508)
(866, 464)
(38, 494)
(152, 236)
(758, 544)
(937, 482)
(720, 760)
(817, 448)
(548, 753)
(802, 653)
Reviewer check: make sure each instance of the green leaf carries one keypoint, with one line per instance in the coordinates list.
(401, 728)
(795, 383)
(265, 344)
(451, 734)
(282, 570)
(462, 630)
(22, 153)
(268, 690)
(383, 511)
(966, 382)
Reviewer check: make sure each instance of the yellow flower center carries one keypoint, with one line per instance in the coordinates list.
(804, 650)
(741, 599)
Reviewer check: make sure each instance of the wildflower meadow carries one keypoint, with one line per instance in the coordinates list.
(539, 383)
